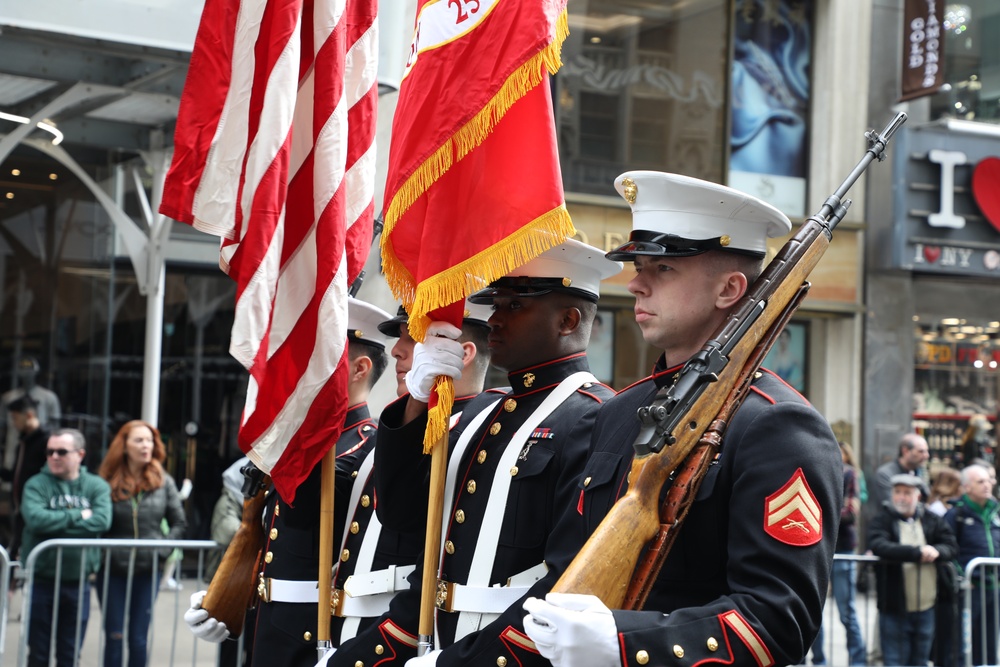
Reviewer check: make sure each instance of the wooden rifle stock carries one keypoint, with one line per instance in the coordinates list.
(234, 587)
(695, 409)
(686, 483)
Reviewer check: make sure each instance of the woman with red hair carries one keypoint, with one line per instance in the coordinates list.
(142, 496)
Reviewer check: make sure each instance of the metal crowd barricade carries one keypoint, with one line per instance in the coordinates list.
(832, 646)
(91, 642)
(6, 568)
(980, 612)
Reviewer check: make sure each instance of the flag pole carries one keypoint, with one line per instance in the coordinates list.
(432, 542)
(327, 476)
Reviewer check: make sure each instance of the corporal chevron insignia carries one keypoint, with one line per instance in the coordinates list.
(792, 515)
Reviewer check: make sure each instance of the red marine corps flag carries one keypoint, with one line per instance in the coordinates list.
(274, 152)
(473, 188)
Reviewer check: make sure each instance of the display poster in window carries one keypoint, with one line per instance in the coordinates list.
(787, 358)
(770, 101)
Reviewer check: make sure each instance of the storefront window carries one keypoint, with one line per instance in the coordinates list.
(73, 326)
(643, 86)
(971, 90)
(956, 386)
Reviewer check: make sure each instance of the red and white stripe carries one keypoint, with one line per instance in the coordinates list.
(275, 152)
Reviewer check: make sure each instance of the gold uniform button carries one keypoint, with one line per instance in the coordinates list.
(449, 546)
(678, 651)
(274, 533)
(345, 555)
(355, 527)
(471, 486)
(366, 500)
(642, 657)
(359, 664)
(366, 428)
(495, 428)
(354, 475)
(481, 456)
(513, 471)
(379, 649)
(307, 635)
(586, 482)
(268, 557)
(758, 375)
(501, 662)
(510, 405)
(277, 509)
(460, 516)
(713, 644)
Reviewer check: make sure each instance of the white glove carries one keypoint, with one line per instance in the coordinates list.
(426, 660)
(185, 490)
(573, 630)
(202, 625)
(439, 354)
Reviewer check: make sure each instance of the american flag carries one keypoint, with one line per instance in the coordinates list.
(274, 151)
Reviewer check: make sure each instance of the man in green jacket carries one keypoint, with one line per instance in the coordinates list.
(63, 500)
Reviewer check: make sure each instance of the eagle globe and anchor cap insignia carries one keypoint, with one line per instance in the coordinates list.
(792, 515)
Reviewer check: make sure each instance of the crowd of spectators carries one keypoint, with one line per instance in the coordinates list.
(925, 524)
(55, 496)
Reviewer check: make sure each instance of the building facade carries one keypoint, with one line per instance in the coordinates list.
(99, 295)
(933, 258)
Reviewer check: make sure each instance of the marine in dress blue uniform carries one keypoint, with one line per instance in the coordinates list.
(285, 632)
(513, 464)
(746, 579)
(374, 558)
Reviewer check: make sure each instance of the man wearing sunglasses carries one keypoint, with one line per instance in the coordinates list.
(63, 500)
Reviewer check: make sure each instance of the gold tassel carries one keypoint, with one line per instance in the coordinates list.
(439, 416)
(475, 273)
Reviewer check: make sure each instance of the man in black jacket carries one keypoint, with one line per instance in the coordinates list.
(913, 542)
(29, 461)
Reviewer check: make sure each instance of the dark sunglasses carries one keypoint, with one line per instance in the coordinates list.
(58, 452)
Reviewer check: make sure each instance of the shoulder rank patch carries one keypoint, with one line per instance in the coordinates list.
(543, 434)
(792, 515)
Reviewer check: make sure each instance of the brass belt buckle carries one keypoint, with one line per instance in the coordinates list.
(264, 588)
(444, 600)
(337, 602)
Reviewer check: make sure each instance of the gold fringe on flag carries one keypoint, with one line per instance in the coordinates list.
(475, 273)
(496, 261)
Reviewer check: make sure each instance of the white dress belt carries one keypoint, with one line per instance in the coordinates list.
(494, 599)
(286, 590)
(389, 580)
(369, 606)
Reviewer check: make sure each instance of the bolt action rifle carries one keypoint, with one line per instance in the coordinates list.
(682, 428)
(233, 589)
